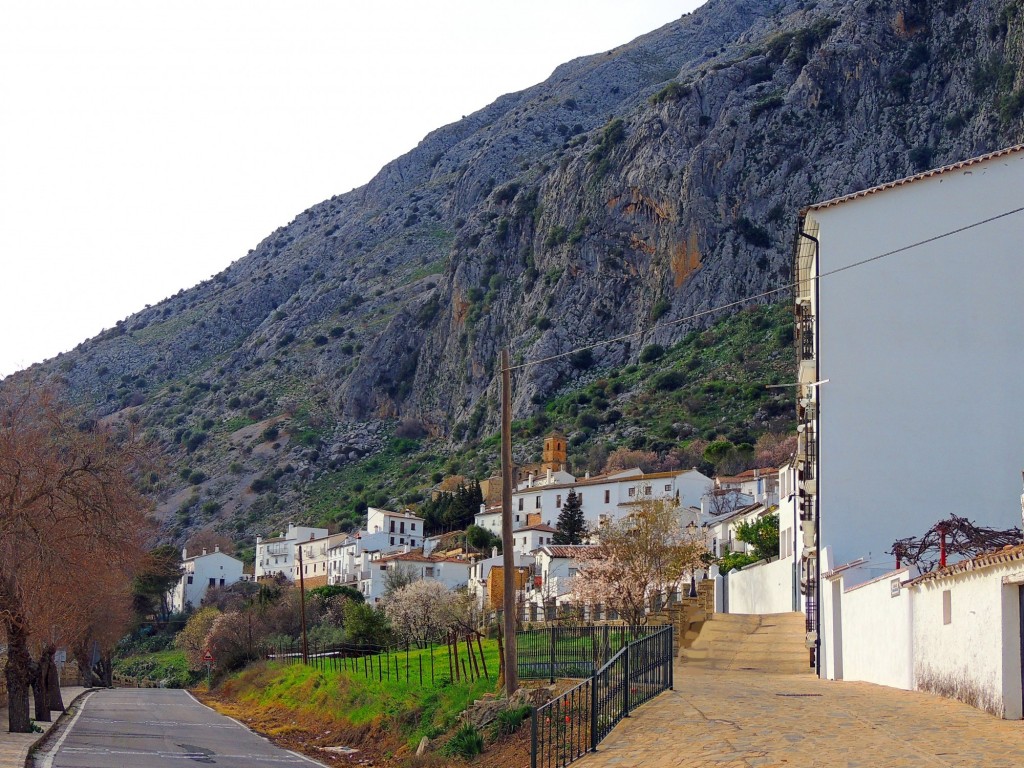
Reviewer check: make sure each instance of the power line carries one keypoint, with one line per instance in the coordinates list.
(764, 294)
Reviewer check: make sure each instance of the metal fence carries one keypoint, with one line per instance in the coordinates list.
(567, 727)
(457, 660)
(571, 651)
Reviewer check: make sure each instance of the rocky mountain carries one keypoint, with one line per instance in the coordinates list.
(628, 192)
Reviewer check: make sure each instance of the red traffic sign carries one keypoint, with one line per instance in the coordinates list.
(207, 656)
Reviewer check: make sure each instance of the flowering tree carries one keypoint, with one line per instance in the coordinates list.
(638, 559)
(426, 610)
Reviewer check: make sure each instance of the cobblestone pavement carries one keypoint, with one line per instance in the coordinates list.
(732, 719)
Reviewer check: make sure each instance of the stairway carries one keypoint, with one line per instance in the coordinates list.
(772, 642)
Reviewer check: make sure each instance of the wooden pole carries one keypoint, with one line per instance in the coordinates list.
(507, 551)
(302, 601)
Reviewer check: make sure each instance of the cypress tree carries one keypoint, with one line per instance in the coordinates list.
(572, 527)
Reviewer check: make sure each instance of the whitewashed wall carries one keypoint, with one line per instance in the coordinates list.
(934, 329)
(766, 588)
(976, 656)
(878, 642)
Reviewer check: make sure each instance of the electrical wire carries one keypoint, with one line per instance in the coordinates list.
(763, 294)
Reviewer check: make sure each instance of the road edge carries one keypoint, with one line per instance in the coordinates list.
(62, 726)
(307, 758)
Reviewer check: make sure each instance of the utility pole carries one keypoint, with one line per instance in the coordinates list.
(507, 552)
(302, 602)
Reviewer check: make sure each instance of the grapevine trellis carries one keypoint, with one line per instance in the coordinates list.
(956, 536)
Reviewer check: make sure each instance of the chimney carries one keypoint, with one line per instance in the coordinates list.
(529, 480)
(494, 551)
(549, 474)
(587, 476)
(217, 548)
(184, 554)
(204, 552)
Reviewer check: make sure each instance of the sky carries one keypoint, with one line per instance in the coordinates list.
(144, 146)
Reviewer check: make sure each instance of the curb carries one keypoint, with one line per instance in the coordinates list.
(54, 729)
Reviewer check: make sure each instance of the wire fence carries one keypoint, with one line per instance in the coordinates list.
(569, 726)
(460, 657)
(572, 651)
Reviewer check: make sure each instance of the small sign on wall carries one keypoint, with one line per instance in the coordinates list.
(894, 588)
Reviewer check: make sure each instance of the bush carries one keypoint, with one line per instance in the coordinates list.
(674, 91)
(582, 359)
(651, 353)
(270, 434)
(509, 720)
(669, 381)
(466, 743)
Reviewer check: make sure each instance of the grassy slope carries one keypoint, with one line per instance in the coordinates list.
(169, 666)
(354, 709)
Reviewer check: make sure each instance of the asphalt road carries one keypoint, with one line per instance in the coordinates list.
(153, 728)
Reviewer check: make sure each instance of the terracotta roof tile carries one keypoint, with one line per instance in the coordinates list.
(1008, 554)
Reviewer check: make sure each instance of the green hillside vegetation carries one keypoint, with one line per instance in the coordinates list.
(710, 388)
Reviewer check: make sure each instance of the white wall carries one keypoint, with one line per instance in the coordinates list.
(765, 588)
(965, 658)
(878, 644)
(922, 351)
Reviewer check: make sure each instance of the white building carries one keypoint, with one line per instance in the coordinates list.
(909, 335)
(604, 497)
(199, 573)
(452, 572)
(402, 528)
(277, 556)
(555, 567)
(480, 572)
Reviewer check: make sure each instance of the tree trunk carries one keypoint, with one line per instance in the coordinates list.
(105, 671)
(17, 674)
(84, 667)
(37, 674)
(54, 700)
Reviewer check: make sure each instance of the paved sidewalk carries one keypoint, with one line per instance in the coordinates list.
(14, 747)
(732, 719)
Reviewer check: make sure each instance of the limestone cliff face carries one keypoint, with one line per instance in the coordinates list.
(638, 185)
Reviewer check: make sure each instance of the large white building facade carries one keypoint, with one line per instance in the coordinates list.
(910, 336)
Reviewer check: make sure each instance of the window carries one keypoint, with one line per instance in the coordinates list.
(558, 501)
(392, 541)
(521, 505)
(412, 526)
(383, 567)
(392, 526)
(607, 497)
(401, 527)
(222, 582)
(668, 486)
(632, 492)
(429, 571)
(537, 503)
(517, 518)
(402, 540)
(647, 490)
(190, 579)
(213, 582)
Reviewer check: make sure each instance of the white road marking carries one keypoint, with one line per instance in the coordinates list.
(48, 760)
(176, 755)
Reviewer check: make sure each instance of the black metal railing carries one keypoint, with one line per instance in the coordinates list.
(569, 726)
(571, 651)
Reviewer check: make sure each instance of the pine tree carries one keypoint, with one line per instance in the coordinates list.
(572, 527)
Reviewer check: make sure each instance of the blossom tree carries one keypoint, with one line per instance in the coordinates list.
(638, 559)
(426, 610)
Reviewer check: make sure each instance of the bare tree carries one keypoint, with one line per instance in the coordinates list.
(68, 511)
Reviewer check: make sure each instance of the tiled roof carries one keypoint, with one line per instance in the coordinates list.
(750, 474)
(417, 556)
(543, 528)
(1008, 554)
(909, 179)
(569, 550)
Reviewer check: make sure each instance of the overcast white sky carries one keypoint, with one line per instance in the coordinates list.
(144, 145)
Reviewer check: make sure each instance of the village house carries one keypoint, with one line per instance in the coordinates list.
(604, 498)
(201, 572)
(452, 572)
(277, 555)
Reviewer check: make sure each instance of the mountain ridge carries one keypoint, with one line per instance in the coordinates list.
(631, 189)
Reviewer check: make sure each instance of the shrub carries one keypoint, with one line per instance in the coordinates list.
(674, 91)
(270, 434)
(582, 359)
(320, 340)
(764, 105)
(466, 743)
(669, 381)
(197, 477)
(660, 308)
(509, 720)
